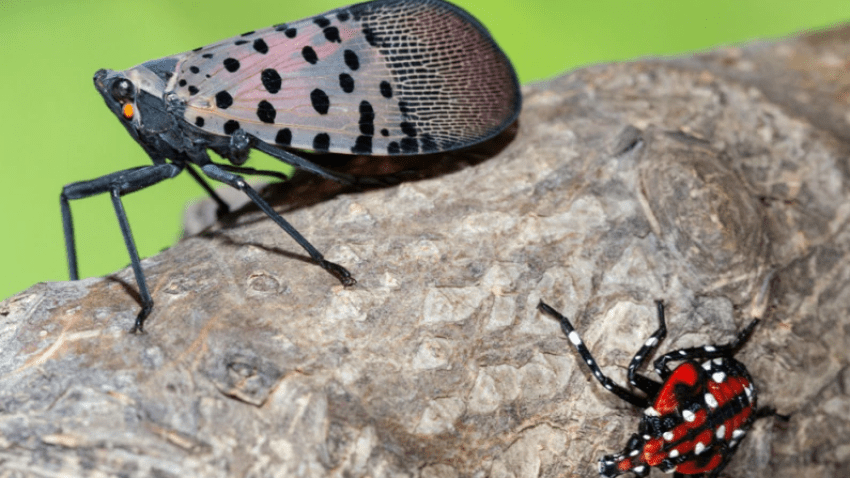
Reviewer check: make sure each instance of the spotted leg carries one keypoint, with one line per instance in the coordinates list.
(606, 382)
(118, 184)
(215, 172)
(706, 352)
(646, 385)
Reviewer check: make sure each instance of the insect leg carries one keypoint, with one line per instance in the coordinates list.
(574, 338)
(118, 184)
(215, 172)
(306, 165)
(301, 163)
(223, 208)
(253, 171)
(706, 352)
(647, 386)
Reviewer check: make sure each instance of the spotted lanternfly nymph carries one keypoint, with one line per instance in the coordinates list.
(692, 422)
(388, 77)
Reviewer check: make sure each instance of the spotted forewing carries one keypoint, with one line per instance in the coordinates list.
(384, 77)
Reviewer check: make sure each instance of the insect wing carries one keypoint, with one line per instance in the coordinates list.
(382, 77)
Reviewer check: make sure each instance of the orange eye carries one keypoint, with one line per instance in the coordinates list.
(128, 111)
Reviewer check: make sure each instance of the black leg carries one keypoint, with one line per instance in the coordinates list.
(223, 208)
(253, 171)
(119, 183)
(606, 382)
(217, 173)
(306, 165)
(301, 163)
(147, 300)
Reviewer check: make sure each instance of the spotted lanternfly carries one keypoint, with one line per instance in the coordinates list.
(692, 422)
(388, 77)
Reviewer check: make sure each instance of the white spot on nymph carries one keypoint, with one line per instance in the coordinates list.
(646, 437)
(710, 400)
(721, 432)
(589, 361)
(689, 416)
(608, 386)
(699, 448)
(682, 352)
(718, 377)
(651, 412)
(738, 433)
(639, 469)
(709, 348)
(651, 342)
(634, 453)
(673, 453)
(574, 338)
(706, 366)
(668, 436)
(718, 361)
(637, 359)
(598, 374)
(749, 392)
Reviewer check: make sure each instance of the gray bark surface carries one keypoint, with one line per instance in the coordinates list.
(690, 180)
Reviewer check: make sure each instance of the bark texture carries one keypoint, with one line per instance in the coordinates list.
(690, 180)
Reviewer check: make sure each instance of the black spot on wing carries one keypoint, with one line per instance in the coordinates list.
(386, 89)
(266, 112)
(346, 82)
(194, 69)
(231, 64)
(290, 32)
(199, 122)
(342, 16)
(408, 129)
(363, 145)
(321, 102)
(271, 80)
(393, 148)
(351, 59)
(284, 137)
(309, 55)
(322, 142)
(260, 46)
(332, 34)
(367, 118)
(322, 22)
(231, 126)
(223, 100)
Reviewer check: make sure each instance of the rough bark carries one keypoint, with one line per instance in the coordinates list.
(689, 180)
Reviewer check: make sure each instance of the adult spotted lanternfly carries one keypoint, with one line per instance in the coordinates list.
(693, 421)
(388, 77)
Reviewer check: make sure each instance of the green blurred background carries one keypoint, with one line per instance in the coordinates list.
(55, 128)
